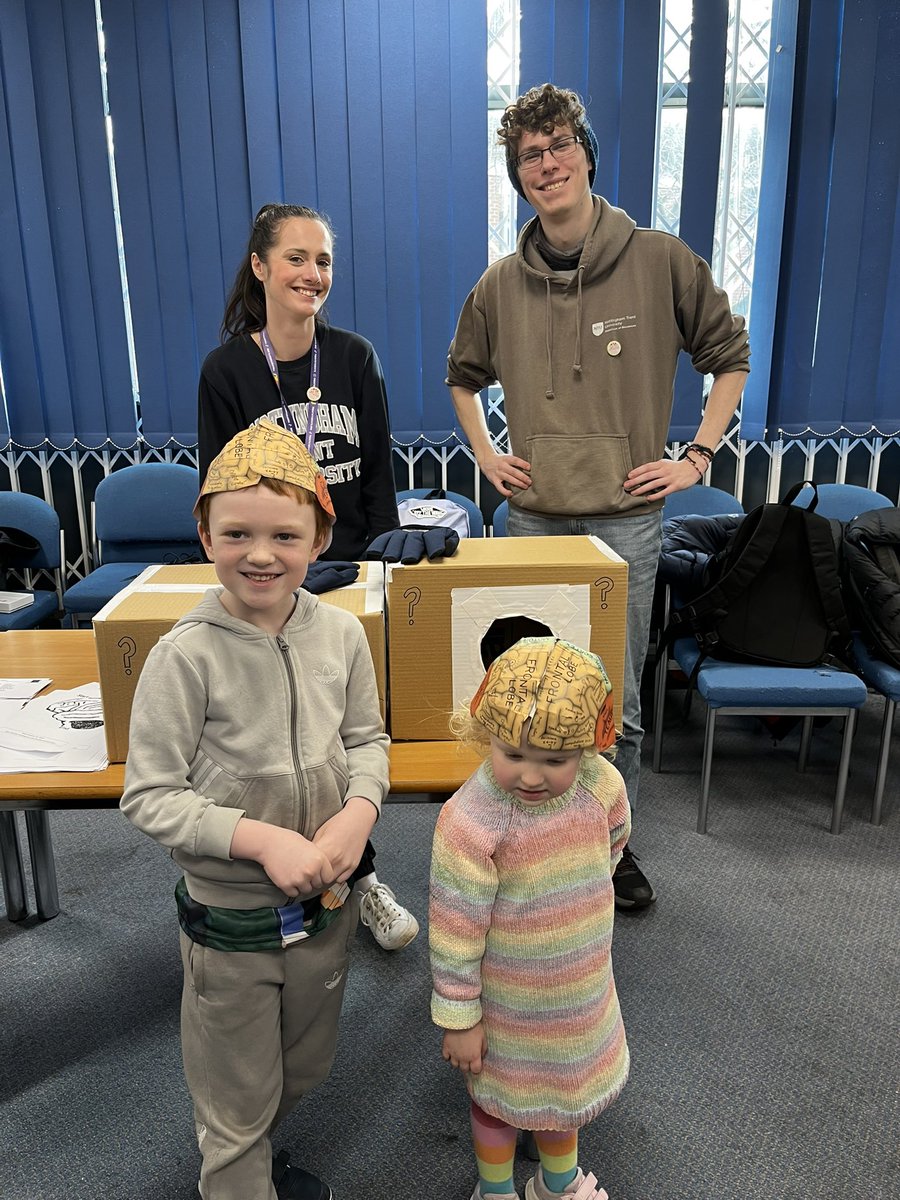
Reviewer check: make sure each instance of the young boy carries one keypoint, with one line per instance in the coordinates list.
(257, 755)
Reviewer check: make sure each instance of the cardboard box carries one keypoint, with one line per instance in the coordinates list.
(130, 625)
(442, 617)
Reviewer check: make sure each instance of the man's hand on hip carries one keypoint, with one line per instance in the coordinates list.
(506, 472)
(655, 480)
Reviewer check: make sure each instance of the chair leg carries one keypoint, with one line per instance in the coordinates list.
(706, 769)
(883, 755)
(40, 848)
(659, 705)
(837, 811)
(660, 679)
(805, 739)
(11, 868)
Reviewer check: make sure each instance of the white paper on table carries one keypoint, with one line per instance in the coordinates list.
(61, 731)
(21, 689)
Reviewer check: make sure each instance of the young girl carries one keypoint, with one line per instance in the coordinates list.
(281, 360)
(521, 916)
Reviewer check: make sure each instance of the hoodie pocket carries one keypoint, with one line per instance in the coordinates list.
(577, 476)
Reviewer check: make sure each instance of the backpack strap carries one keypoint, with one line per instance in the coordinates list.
(823, 556)
(759, 531)
(791, 495)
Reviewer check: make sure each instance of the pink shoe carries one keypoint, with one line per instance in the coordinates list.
(582, 1187)
(479, 1195)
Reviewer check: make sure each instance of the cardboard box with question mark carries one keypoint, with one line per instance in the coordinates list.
(448, 618)
(130, 625)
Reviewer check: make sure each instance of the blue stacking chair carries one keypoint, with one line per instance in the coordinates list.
(883, 678)
(843, 501)
(141, 515)
(750, 689)
(701, 501)
(35, 517)
(476, 519)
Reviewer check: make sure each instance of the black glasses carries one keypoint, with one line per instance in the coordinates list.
(561, 150)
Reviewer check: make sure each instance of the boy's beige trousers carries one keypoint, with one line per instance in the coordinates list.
(258, 1031)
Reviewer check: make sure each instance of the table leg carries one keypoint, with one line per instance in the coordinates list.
(40, 847)
(11, 868)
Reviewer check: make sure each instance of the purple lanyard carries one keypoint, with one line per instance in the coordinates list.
(313, 394)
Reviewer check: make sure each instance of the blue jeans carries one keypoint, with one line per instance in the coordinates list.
(637, 540)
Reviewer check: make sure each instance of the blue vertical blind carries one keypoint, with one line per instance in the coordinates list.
(608, 52)
(372, 111)
(62, 326)
(835, 340)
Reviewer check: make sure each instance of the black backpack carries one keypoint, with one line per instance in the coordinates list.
(16, 547)
(773, 595)
(872, 579)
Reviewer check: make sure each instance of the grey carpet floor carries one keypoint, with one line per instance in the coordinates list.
(760, 996)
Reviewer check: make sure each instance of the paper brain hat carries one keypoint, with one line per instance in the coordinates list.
(563, 690)
(265, 451)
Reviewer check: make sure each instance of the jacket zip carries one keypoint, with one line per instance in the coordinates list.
(295, 754)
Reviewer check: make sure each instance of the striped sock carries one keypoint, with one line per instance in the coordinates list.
(495, 1151)
(559, 1156)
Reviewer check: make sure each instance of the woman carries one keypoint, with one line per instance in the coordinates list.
(280, 359)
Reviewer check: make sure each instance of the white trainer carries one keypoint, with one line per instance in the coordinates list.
(582, 1187)
(479, 1195)
(392, 926)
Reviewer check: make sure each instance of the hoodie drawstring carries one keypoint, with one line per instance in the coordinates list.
(548, 332)
(576, 365)
(548, 340)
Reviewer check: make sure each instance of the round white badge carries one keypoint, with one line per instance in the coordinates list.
(613, 348)
(314, 394)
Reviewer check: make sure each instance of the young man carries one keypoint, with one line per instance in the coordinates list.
(583, 327)
(257, 755)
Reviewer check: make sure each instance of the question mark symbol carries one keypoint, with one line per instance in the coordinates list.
(129, 649)
(605, 585)
(413, 595)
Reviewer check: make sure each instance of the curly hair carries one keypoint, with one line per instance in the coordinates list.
(245, 311)
(467, 730)
(540, 110)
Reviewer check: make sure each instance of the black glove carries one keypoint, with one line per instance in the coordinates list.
(412, 543)
(326, 576)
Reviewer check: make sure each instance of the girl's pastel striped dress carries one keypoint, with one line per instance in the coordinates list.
(521, 921)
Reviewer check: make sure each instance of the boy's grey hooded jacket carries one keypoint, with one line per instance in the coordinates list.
(587, 358)
(230, 721)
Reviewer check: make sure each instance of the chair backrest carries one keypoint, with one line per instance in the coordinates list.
(145, 513)
(33, 516)
(498, 520)
(476, 519)
(843, 501)
(702, 501)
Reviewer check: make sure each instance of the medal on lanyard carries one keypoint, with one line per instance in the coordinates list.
(313, 392)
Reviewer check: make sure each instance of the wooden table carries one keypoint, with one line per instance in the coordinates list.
(419, 770)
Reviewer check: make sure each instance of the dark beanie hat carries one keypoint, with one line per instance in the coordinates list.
(584, 131)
